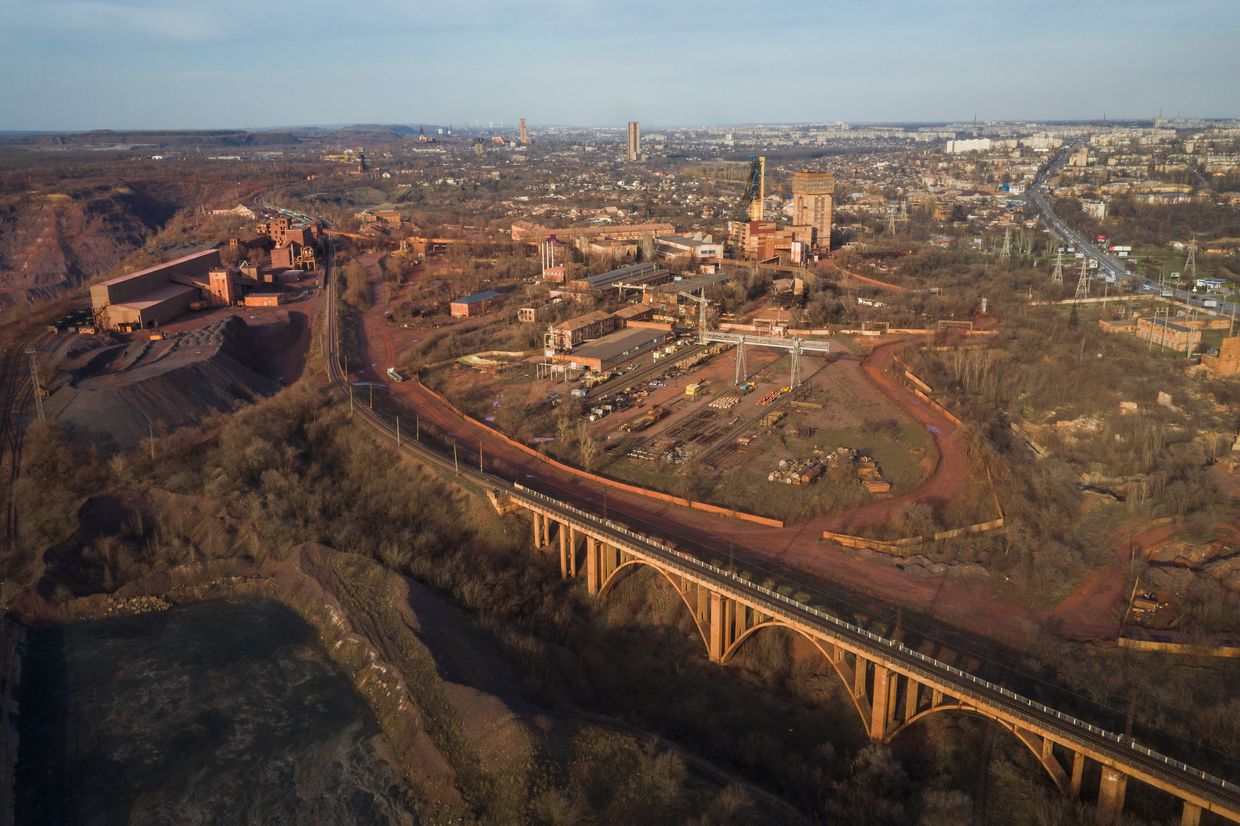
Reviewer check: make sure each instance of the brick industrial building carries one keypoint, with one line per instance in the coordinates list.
(1227, 362)
(617, 348)
(1167, 333)
(635, 141)
(568, 334)
(158, 294)
(813, 195)
(476, 304)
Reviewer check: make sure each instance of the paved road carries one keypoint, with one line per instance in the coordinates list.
(1110, 268)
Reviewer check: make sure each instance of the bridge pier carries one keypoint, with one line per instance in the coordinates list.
(1191, 816)
(594, 580)
(880, 703)
(912, 697)
(1111, 792)
(1078, 771)
(716, 643)
(562, 533)
(572, 552)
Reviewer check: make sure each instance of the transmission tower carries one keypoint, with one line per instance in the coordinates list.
(38, 385)
(1057, 275)
(891, 220)
(742, 369)
(794, 379)
(1190, 263)
(1005, 254)
(903, 215)
(1082, 284)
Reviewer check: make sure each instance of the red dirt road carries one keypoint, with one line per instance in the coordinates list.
(865, 279)
(976, 606)
(950, 476)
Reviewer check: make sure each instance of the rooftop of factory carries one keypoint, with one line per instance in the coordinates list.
(485, 295)
(154, 267)
(688, 285)
(630, 273)
(616, 344)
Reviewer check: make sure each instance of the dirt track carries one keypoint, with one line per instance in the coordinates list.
(865, 279)
(973, 605)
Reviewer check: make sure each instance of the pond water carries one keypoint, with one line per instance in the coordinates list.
(220, 712)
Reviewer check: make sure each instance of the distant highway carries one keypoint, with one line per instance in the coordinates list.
(1108, 264)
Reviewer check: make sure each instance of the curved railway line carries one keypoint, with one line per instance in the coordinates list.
(1122, 753)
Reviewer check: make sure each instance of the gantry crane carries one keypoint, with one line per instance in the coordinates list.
(702, 302)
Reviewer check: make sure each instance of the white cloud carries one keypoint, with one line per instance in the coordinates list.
(76, 18)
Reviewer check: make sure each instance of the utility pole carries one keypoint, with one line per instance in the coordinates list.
(398, 432)
(455, 462)
(480, 468)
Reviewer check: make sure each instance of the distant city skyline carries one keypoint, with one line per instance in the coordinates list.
(161, 64)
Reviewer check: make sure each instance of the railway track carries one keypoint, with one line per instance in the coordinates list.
(15, 398)
(642, 374)
(1125, 753)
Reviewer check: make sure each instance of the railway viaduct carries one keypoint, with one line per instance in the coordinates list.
(891, 686)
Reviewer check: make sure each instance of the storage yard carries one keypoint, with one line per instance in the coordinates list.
(676, 421)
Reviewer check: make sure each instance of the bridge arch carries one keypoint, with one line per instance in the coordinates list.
(1032, 741)
(635, 562)
(860, 704)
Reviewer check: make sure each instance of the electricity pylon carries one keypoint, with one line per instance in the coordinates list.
(1082, 284)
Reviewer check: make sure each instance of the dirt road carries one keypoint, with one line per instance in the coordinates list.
(978, 606)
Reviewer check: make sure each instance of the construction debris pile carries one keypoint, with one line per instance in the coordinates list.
(871, 476)
(800, 471)
(841, 463)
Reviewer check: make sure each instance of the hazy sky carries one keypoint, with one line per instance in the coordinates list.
(121, 64)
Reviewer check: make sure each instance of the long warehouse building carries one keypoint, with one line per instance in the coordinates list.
(155, 295)
(617, 348)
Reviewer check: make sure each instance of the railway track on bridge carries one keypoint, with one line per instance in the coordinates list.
(1122, 753)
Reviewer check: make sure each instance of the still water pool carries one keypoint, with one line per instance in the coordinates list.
(220, 712)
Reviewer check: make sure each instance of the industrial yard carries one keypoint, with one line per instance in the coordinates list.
(683, 426)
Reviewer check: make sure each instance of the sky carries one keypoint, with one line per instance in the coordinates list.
(163, 64)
